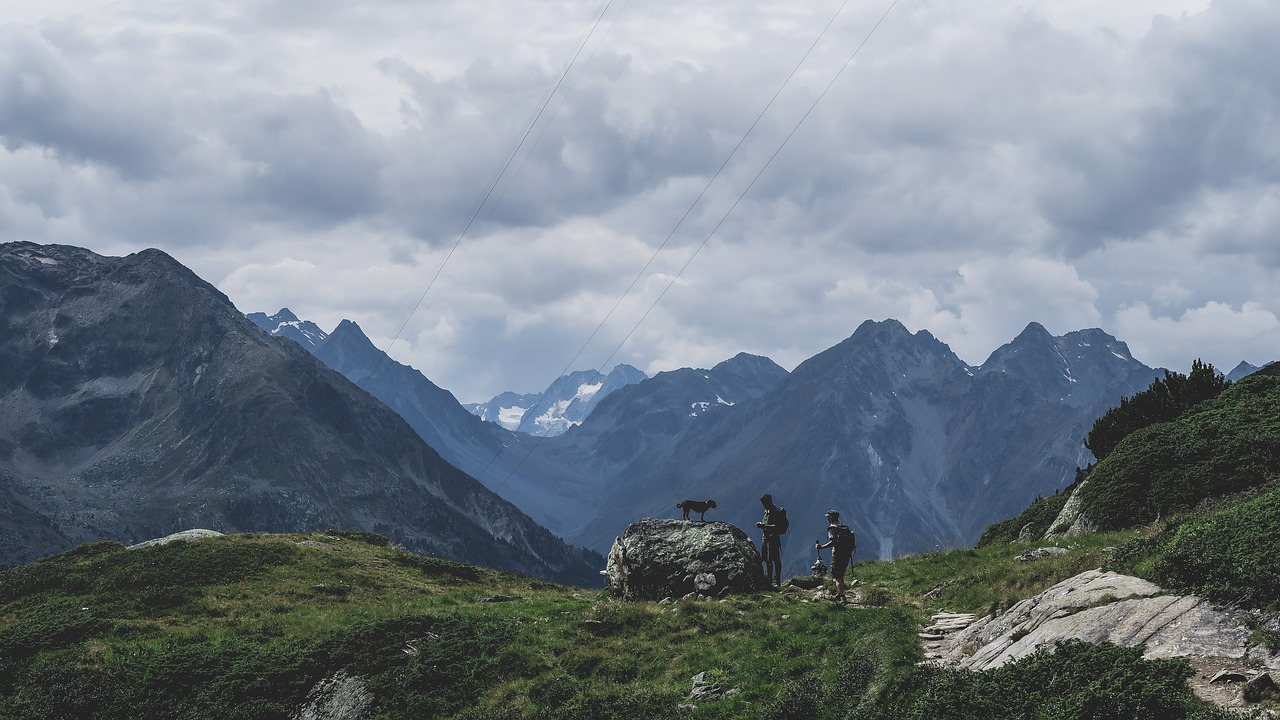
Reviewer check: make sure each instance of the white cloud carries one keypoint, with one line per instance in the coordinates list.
(1216, 332)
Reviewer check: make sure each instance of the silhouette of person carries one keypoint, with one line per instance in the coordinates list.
(771, 543)
(840, 540)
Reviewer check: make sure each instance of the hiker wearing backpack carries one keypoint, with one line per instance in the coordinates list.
(774, 525)
(842, 543)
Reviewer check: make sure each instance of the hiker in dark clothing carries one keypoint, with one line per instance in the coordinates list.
(842, 543)
(774, 525)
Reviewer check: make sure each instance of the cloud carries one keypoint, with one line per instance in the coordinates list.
(977, 168)
(79, 113)
(1216, 332)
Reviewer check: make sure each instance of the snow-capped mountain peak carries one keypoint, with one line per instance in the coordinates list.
(285, 324)
(565, 404)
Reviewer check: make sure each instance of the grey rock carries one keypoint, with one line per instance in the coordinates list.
(1227, 676)
(1071, 520)
(1040, 553)
(1098, 606)
(1025, 533)
(184, 536)
(704, 691)
(337, 697)
(1260, 687)
(657, 558)
(499, 598)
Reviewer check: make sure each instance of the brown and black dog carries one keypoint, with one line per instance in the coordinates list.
(699, 506)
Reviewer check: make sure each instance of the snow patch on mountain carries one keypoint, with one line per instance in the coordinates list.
(563, 405)
(285, 324)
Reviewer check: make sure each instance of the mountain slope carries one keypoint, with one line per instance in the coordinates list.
(916, 448)
(565, 403)
(286, 626)
(135, 401)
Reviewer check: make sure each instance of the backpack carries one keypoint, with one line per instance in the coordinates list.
(845, 540)
(779, 518)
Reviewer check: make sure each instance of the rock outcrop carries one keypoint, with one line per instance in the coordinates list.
(1098, 606)
(656, 559)
(1071, 520)
(184, 536)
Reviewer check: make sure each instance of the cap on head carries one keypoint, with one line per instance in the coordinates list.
(833, 514)
(767, 499)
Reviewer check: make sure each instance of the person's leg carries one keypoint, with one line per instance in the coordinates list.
(777, 563)
(838, 567)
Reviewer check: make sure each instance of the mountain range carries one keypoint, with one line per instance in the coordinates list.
(136, 401)
(917, 448)
(566, 403)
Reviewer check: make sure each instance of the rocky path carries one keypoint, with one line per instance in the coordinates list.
(936, 637)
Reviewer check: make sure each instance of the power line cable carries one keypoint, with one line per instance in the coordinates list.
(523, 135)
(705, 240)
(751, 184)
(663, 245)
(536, 142)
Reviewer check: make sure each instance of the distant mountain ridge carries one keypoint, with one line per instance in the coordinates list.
(135, 401)
(565, 403)
(916, 447)
(920, 449)
(527, 470)
(286, 324)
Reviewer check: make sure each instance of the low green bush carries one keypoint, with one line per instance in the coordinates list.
(1038, 515)
(1229, 556)
(1220, 447)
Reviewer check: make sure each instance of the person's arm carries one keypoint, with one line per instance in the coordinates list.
(831, 541)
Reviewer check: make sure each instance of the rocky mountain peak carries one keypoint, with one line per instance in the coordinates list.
(285, 324)
(138, 401)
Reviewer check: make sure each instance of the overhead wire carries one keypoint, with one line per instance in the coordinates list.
(751, 184)
(511, 177)
(513, 151)
(539, 439)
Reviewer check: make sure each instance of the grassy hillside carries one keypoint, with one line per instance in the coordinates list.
(244, 626)
(1217, 448)
(1207, 484)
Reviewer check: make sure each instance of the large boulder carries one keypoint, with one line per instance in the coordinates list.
(656, 559)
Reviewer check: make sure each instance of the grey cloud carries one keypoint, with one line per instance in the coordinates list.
(78, 113)
(1208, 123)
(588, 160)
(308, 159)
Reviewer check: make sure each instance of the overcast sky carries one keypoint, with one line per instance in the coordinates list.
(978, 167)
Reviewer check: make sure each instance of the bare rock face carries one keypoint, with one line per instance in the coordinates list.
(339, 697)
(656, 559)
(1098, 606)
(1071, 520)
(184, 536)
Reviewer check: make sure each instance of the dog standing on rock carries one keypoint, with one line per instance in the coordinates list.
(699, 506)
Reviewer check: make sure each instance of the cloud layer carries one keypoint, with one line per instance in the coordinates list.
(972, 171)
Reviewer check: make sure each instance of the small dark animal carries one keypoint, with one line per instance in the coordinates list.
(697, 506)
